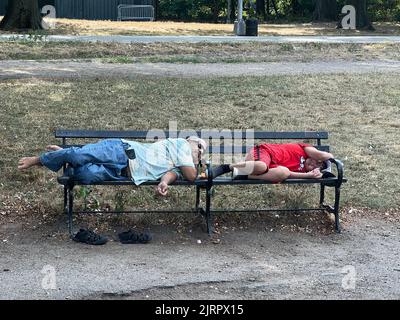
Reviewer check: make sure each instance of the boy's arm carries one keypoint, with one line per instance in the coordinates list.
(314, 174)
(318, 155)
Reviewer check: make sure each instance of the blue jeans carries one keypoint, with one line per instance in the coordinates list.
(96, 162)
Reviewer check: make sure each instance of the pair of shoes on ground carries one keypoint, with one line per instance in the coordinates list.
(89, 237)
(132, 237)
(128, 237)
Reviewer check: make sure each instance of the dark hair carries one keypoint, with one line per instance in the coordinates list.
(323, 166)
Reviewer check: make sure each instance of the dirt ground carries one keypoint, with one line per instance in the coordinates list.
(106, 27)
(267, 257)
(10, 69)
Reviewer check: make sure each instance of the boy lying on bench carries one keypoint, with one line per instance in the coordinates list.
(119, 159)
(278, 162)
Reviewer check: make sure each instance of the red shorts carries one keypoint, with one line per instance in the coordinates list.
(260, 154)
(290, 155)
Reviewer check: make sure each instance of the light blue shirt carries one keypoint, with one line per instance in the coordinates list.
(153, 160)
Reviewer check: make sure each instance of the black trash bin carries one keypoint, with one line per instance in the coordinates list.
(252, 27)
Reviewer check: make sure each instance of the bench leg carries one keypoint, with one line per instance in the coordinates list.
(65, 199)
(197, 199)
(336, 209)
(70, 209)
(208, 217)
(322, 195)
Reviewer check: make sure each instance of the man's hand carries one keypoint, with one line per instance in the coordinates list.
(162, 188)
(315, 174)
(166, 180)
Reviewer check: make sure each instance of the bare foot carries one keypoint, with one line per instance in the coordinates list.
(27, 162)
(53, 148)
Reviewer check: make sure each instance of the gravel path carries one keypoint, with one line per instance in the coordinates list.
(68, 69)
(253, 263)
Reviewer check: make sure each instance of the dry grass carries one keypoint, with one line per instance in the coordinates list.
(197, 52)
(361, 112)
(99, 27)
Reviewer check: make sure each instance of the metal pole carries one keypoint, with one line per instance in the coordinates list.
(240, 25)
(240, 10)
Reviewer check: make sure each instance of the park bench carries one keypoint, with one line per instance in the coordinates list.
(210, 183)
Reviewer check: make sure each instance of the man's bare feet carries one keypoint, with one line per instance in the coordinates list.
(53, 148)
(27, 162)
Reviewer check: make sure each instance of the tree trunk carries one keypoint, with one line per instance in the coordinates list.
(156, 9)
(215, 10)
(260, 9)
(325, 10)
(229, 11)
(22, 14)
(362, 21)
(296, 7)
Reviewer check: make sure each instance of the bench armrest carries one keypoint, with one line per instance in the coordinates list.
(339, 167)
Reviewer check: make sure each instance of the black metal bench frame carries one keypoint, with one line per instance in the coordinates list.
(211, 182)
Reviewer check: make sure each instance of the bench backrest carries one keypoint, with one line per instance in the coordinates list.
(220, 142)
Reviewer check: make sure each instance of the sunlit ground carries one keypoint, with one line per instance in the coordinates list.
(100, 27)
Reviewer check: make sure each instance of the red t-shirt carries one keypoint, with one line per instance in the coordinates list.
(289, 155)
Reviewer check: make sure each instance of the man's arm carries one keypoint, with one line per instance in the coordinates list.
(317, 155)
(189, 173)
(166, 180)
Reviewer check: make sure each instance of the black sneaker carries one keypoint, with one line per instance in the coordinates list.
(220, 170)
(89, 237)
(131, 237)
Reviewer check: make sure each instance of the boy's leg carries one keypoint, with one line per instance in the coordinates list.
(244, 168)
(250, 167)
(253, 165)
(276, 175)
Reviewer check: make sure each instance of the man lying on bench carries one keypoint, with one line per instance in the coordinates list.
(119, 159)
(278, 162)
